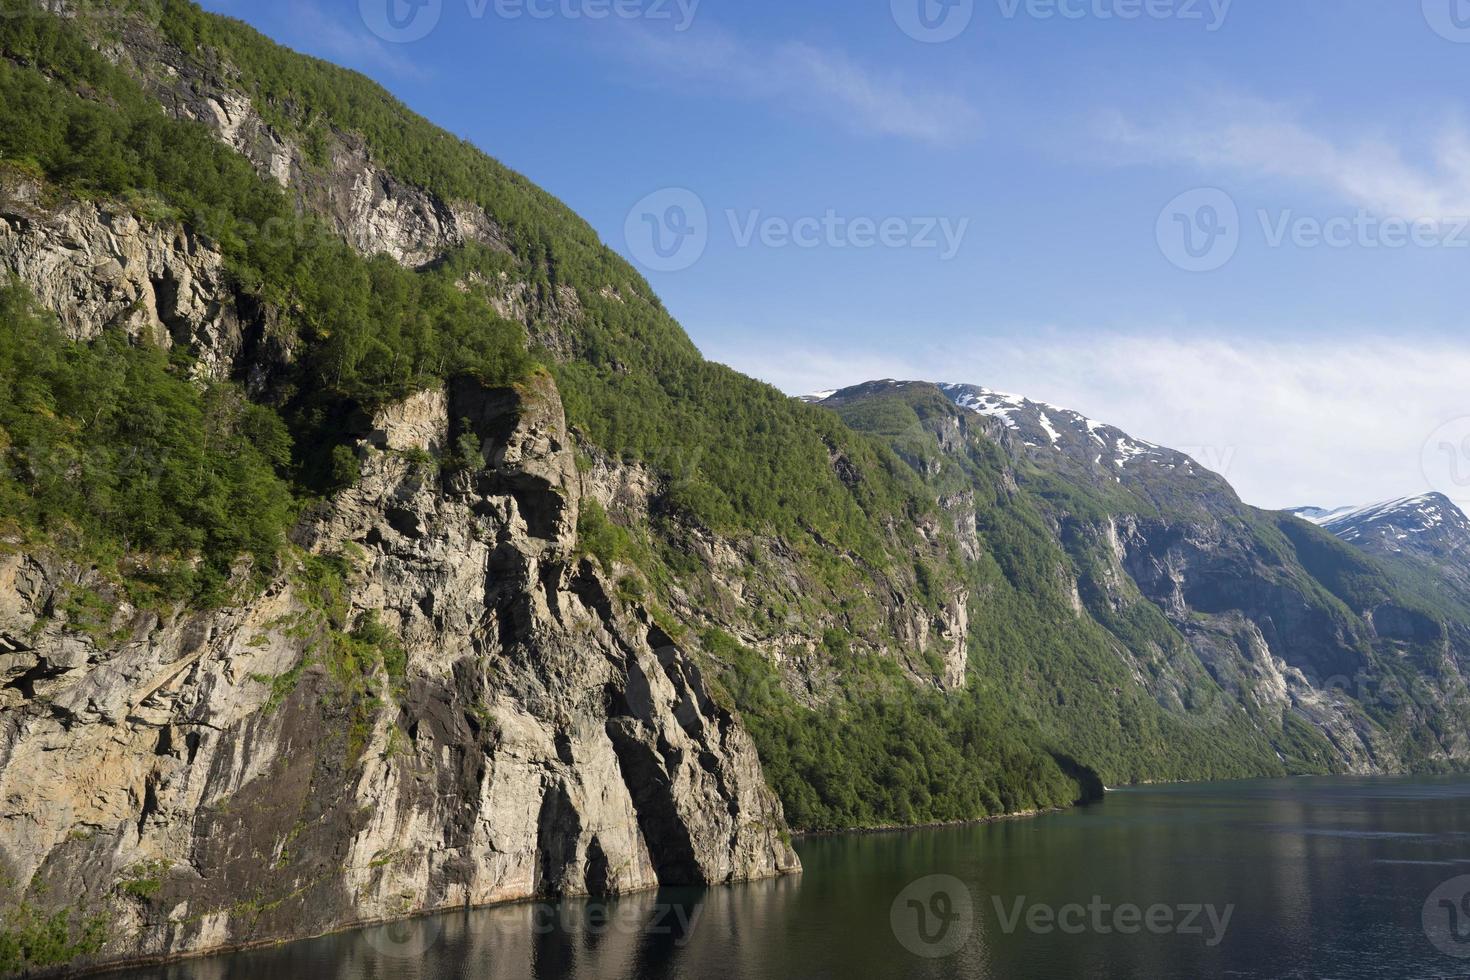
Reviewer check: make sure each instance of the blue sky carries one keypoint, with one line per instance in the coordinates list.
(1009, 206)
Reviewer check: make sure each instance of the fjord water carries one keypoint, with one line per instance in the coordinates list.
(1293, 878)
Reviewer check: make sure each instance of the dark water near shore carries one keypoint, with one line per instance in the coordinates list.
(1299, 878)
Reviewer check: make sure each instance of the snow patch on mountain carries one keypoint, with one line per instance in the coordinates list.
(1321, 515)
(983, 401)
(1050, 430)
(1064, 430)
(1398, 519)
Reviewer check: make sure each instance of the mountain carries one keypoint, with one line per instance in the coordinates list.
(1093, 452)
(1317, 515)
(1429, 522)
(1427, 530)
(1087, 442)
(374, 542)
(1332, 657)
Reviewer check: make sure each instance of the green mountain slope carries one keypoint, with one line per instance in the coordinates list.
(1335, 659)
(332, 449)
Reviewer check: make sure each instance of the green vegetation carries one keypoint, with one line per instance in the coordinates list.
(375, 642)
(31, 939)
(109, 446)
(887, 753)
(374, 331)
(467, 454)
(741, 455)
(130, 465)
(601, 538)
(311, 100)
(282, 685)
(366, 662)
(145, 879)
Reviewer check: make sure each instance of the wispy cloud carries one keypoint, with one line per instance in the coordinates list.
(349, 43)
(1251, 138)
(815, 80)
(1288, 423)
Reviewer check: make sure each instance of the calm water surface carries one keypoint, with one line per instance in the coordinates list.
(1305, 878)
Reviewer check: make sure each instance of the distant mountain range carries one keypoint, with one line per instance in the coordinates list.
(1428, 529)
(1277, 610)
(1393, 522)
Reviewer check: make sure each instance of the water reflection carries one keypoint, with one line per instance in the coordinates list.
(1311, 878)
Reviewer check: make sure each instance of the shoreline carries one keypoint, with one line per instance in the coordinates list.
(170, 959)
(934, 825)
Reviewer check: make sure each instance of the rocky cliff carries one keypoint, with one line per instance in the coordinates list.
(97, 265)
(440, 705)
(747, 584)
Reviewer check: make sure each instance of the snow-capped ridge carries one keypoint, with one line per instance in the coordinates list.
(1422, 512)
(1042, 427)
(1064, 430)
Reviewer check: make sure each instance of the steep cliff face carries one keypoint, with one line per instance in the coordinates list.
(98, 265)
(370, 207)
(441, 705)
(1268, 638)
(760, 588)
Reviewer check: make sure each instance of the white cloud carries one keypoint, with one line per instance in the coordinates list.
(1239, 137)
(1289, 422)
(815, 80)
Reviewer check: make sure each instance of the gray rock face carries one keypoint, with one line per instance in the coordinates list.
(441, 706)
(378, 213)
(1262, 635)
(371, 208)
(98, 266)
